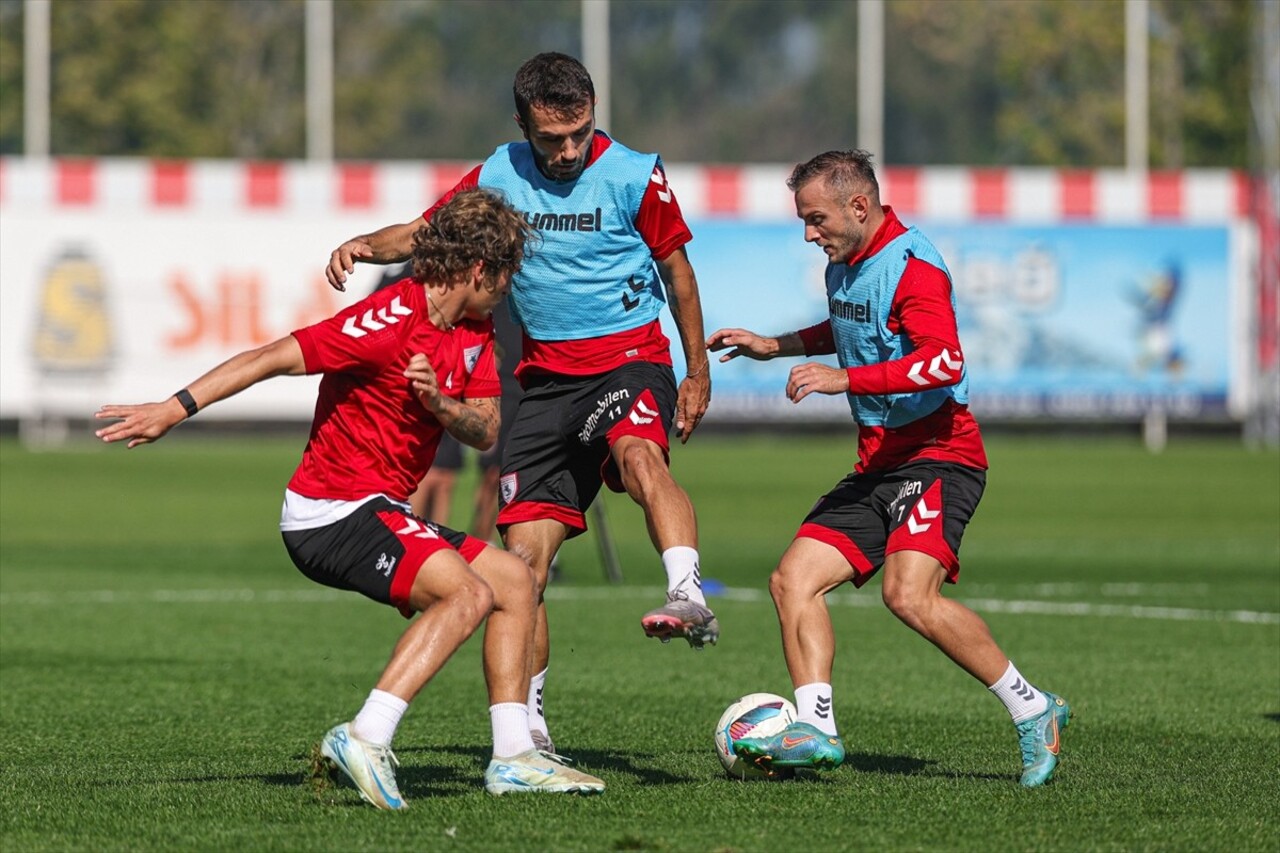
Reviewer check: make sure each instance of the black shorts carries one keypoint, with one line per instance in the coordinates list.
(557, 455)
(924, 506)
(376, 551)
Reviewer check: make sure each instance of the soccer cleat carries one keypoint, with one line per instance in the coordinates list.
(367, 765)
(680, 617)
(798, 745)
(534, 771)
(1039, 738)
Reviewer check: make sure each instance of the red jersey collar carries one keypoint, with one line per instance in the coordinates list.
(889, 230)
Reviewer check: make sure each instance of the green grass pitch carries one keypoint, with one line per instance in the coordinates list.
(164, 670)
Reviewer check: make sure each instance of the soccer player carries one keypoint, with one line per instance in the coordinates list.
(920, 472)
(600, 394)
(399, 368)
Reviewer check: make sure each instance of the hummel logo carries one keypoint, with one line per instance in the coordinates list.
(1023, 690)
(923, 511)
(417, 529)
(387, 316)
(639, 417)
(823, 708)
(661, 180)
(936, 369)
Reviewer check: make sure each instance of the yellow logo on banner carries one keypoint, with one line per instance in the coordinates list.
(73, 333)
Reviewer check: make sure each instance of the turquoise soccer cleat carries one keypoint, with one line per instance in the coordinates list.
(798, 745)
(1040, 738)
(365, 764)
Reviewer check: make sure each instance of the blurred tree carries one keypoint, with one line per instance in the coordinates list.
(432, 78)
(1009, 82)
(11, 76)
(744, 81)
(178, 78)
(1200, 110)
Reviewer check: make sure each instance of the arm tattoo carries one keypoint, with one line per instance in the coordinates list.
(472, 422)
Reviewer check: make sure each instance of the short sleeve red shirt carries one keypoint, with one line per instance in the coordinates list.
(370, 434)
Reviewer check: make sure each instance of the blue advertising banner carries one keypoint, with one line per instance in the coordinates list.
(1056, 321)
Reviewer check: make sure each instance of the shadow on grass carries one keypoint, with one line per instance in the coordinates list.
(589, 760)
(1275, 718)
(905, 765)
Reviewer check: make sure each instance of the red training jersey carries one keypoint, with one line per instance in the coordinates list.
(370, 434)
(922, 311)
(662, 227)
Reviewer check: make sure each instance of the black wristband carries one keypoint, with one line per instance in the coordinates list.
(188, 402)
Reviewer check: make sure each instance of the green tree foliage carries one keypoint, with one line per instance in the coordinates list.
(752, 80)
(10, 76)
(178, 78)
(432, 80)
(1008, 82)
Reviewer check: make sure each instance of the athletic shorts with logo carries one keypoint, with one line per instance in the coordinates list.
(923, 506)
(376, 551)
(557, 455)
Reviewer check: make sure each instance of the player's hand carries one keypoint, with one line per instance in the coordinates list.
(140, 424)
(691, 402)
(810, 377)
(744, 343)
(422, 377)
(343, 262)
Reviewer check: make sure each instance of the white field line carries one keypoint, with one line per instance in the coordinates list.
(867, 600)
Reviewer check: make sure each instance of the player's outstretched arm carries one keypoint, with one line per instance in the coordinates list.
(473, 422)
(147, 422)
(694, 395)
(753, 346)
(388, 245)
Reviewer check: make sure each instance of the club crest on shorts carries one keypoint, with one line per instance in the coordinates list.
(508, 486)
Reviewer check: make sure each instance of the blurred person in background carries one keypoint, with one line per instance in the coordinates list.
(920, 473)
(600, 394)
(391, 387)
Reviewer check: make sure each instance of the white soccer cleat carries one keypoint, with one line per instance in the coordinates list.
(533, 771)
(367, 765)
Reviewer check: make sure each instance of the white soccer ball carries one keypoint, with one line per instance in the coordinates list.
(754, 715)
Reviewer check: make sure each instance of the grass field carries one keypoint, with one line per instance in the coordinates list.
(164, 669)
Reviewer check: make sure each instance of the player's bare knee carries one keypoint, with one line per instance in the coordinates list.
(642, 468)
(477, 599)
(908, 603)
(513, 582)
(788, 582)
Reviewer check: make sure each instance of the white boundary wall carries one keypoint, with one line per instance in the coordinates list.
(120, 280)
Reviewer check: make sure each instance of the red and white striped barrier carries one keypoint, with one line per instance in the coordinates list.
(750, 192)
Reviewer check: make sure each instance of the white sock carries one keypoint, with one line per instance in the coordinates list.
(1021, 699)
(683, 576)
(378, 719)
(813, 706)
(510, 729)
(537, 720)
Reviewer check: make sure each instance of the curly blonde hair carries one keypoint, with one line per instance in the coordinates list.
(474, 225)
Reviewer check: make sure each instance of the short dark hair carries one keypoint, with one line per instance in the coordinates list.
(474, 225)
(846, 172)
(553, 81)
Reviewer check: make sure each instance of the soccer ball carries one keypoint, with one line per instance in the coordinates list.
(754, 715)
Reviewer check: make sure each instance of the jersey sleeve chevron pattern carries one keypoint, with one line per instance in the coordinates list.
(361, 338)
(922, 311)
(659, 221)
